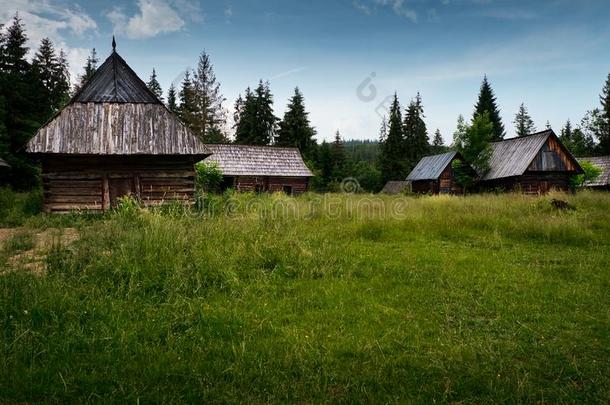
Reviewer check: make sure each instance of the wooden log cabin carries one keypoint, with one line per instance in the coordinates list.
(534, 164)
(115, 138)
(434, 175)
(261, 168)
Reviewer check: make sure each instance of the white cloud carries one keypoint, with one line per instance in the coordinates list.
(397, 6)
(48, 18)
(154, 17)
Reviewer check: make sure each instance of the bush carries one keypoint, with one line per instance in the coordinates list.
(591, 172)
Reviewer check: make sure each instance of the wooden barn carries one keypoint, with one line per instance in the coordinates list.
(396, 187)
(603, 181)
(261, 168)
(434, 175)
(115, 138)
(534, 164)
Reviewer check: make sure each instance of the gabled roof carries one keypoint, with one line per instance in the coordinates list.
(603, 162)
(115, 82)
(431, 167)
(115, 114)
(245, 160)
(512, 157)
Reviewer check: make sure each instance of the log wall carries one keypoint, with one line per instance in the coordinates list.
(95, 183)
(297, 185)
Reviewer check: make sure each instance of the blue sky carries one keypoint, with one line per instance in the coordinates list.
(348, 56)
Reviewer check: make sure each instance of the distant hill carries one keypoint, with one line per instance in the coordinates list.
(362, 150)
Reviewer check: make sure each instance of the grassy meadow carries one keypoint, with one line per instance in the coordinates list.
(336, 298)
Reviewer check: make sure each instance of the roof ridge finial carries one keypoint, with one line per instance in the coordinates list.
(113, 44)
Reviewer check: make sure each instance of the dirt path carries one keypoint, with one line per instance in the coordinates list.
(24, 249)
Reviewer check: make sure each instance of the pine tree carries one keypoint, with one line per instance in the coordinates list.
(473, 142)
(604, 131)
(154, 86)
(15, 49)
(487, 103)
(576, 140)
(186, 110)
(383, 131)
(52, 71)
(392, 156)
(238, 109)
(339, 160)
(524, 125)
(172, 104)
(415, 133)
(438, 143)
(257, 123)
(295, 130)
(89, 69)
(325, 164)
(209, 114)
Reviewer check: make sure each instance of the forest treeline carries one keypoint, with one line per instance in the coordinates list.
(33, 90)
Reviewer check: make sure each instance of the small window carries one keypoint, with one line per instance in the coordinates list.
(287, 190)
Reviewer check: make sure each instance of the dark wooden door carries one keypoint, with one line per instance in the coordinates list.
(120, 187)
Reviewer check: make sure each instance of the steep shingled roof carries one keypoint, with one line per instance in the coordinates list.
(431, 167)
(115, 82)
(603, 162)
(245, 160)
(116, 114)
(512, 157)
(395, 187)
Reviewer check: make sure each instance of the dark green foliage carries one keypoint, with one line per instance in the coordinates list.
(463, 174)
(361, 150)
(591, 173)
(295, 130)
(209, 116)
(577, 141)
(209, 177)
(438, 144)
(89, 69)
(415, 134)
(524, 125)
(52, 71)
(603, 134)
(187, 107)
(154, 86)
(367, 175)
(172, 103)
(392, 157)
(256, 124)
(339, 160)
(25, 105)
(487, 103)
(473, 142)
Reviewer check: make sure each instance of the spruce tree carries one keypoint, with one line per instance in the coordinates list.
(487, 103)
(325, 164)
(172, 103)
(383, 131)
(415, 133)
(524, 125)
(257, 124)
(604, 128)
(15, 49)
(238, 109)
(187, 108)
(474, 142)
(392, 156)
(209, 114)
(338, 158)
(438, 143)
(566, 134)
(89, 69)
(52, 71)
(154, 86)
(295, 130)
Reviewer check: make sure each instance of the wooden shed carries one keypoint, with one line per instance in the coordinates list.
(261, 168)
(534, 164)
(602, 182)
(434, 175)
(396, 187)
(115, 138)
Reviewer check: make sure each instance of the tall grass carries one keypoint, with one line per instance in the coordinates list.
(319, 299)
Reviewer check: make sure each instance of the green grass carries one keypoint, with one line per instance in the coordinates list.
(333, 299)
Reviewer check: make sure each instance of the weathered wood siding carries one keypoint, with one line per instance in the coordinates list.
(116, 129)
(95, 183)
(552, 157)
(298, 185)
